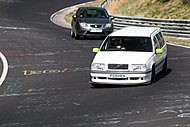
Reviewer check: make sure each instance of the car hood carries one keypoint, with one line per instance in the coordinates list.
(121, 57)
(95, 20)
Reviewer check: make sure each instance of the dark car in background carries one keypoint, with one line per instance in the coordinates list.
(91, 22)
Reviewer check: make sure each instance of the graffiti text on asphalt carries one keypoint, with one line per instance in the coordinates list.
(53, 71)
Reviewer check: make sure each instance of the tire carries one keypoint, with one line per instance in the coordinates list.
(153, 75)
(72, 34)
(164, 70)
(95, 85)
(76, 36)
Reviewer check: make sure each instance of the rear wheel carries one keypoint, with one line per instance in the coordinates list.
(153, 75)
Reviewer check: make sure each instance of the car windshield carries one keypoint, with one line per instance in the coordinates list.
(93, 13)
(139, 44)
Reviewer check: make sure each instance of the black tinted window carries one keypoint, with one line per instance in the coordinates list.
(141, 44)
(93, 13)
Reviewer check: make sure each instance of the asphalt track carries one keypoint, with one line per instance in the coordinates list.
(47, 81)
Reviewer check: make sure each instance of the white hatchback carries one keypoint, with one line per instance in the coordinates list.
(132, 55)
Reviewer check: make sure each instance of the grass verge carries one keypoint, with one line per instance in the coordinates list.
(174, 9)
(178, 41)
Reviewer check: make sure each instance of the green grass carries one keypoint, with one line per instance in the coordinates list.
(177, 41)
(68, 17)
(154, 9)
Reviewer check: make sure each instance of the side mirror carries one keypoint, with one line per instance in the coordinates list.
(95, 50)
(159, 51)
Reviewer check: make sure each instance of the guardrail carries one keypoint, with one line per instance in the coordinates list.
(105, 2)
(170, 27)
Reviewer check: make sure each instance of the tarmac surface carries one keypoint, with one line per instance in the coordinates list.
(47, 84)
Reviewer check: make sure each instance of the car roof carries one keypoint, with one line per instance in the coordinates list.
(135, 31)
(92, 8)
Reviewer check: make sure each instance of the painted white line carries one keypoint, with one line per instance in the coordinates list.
(5, 68)
(58, 17)
(13, 28)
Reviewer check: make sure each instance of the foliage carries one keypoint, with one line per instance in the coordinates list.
(163, 1)
(173, 9)
(186, 1)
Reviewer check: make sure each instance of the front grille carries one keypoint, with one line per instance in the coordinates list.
(118, 78)
(117, 66)
(96, 26)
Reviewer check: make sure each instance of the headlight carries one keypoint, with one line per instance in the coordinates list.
(98, 66)
(138, 67)
(108, 25)
(82, 24)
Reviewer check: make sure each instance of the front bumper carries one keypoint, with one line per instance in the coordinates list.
(121, 78)
(87, 32)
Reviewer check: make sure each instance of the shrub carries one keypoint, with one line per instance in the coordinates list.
(163, 1)
(186, 1)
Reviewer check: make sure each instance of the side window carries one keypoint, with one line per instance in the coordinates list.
(156, 43)
(160, 39)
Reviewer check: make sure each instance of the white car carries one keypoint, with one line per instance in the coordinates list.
(132, 55)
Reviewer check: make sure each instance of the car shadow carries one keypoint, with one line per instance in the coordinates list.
(110, 86)
(91, 38)
(162, 75)
(158, 77)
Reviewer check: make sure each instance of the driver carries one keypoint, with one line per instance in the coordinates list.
(118, 44)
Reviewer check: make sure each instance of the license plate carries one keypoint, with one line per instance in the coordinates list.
(96, 30)
(117, 76)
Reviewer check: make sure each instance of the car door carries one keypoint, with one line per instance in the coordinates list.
(162, 44)
(159, 58)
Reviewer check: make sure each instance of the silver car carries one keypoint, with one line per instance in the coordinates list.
(91, 21)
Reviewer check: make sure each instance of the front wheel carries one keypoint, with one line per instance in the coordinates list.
(72, 34)
(153, 75)
(76, 36)
(95, 85)
(164, 70)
